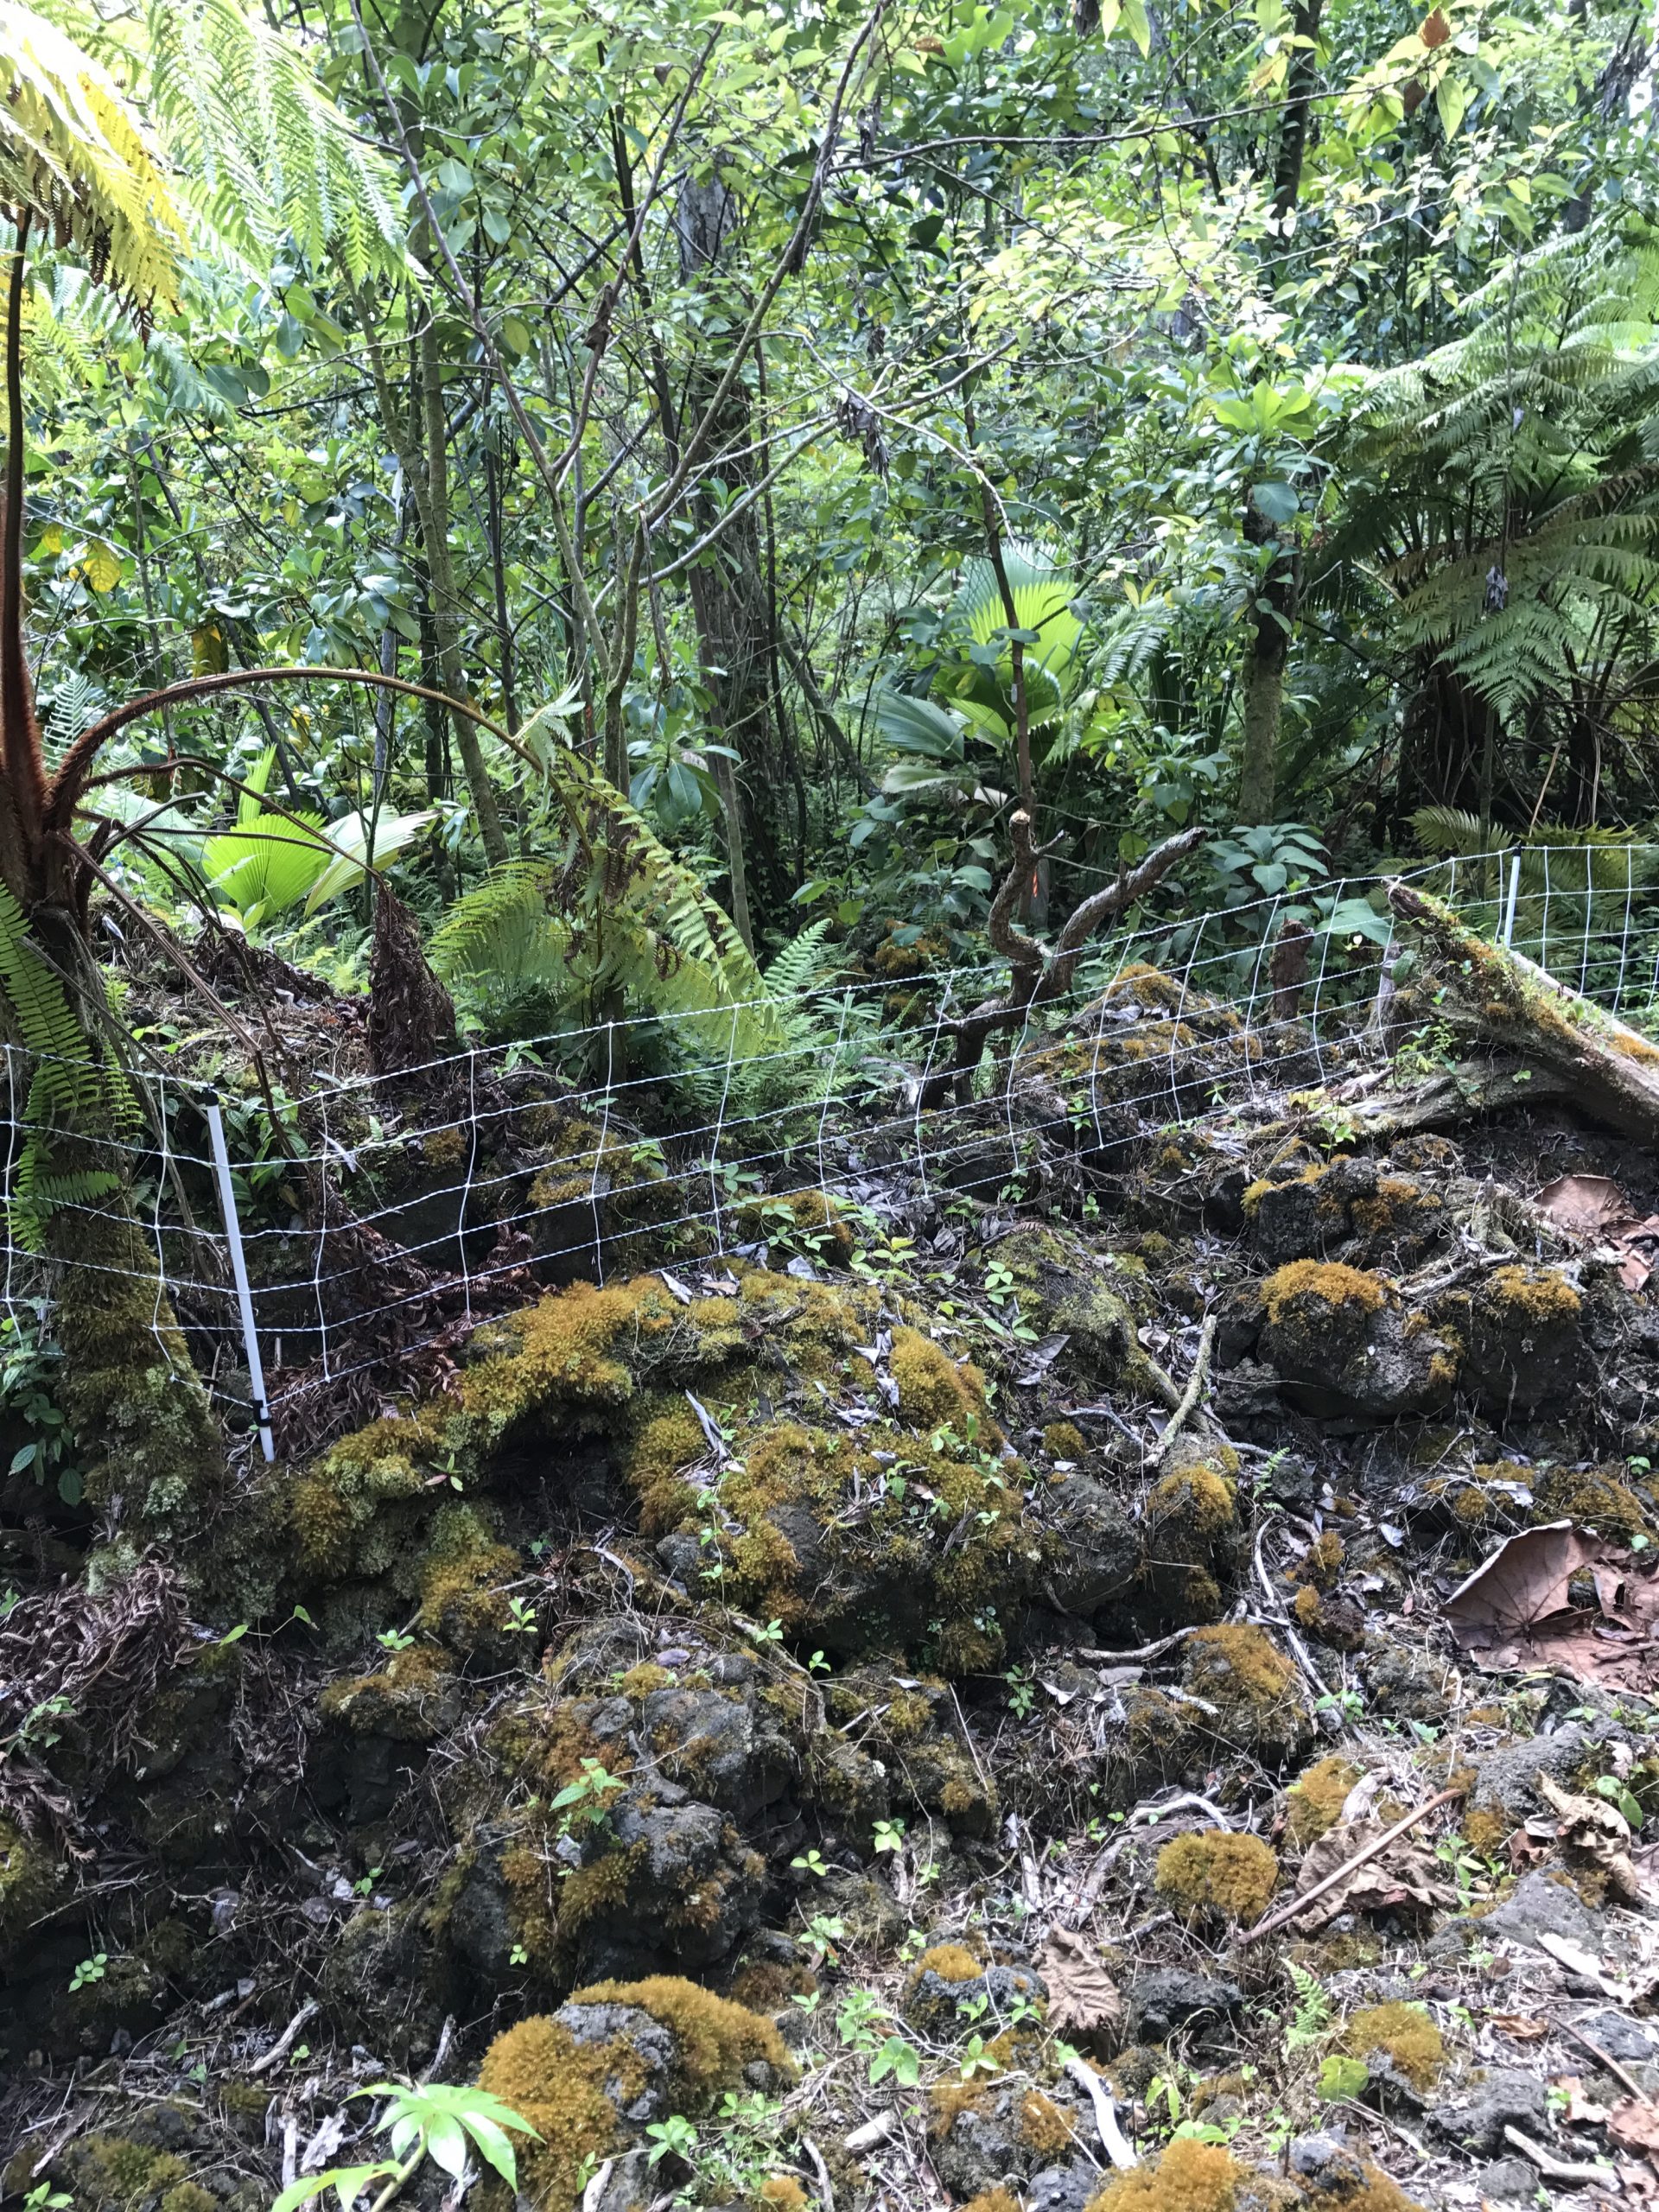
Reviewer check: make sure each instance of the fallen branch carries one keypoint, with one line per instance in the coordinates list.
(1039, 976)
(1190, 1396)
(284, 2041)
(1296, 1909)
(1620, 2074)
(1551, 2167)
(1488, 992)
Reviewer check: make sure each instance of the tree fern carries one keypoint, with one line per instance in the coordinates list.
(616, 918)
(269, 153)
(72, 1093)
(72, 150)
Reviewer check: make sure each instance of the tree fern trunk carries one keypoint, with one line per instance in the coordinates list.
(150, 1449)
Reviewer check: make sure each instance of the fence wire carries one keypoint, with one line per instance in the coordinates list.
(381, 1217)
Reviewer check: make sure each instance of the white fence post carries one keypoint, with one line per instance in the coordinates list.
(1507, 935)
(239, 1273)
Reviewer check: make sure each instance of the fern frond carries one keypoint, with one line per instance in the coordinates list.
(270, 155)
(75, 152)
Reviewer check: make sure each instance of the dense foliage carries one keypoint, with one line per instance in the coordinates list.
(837, 426)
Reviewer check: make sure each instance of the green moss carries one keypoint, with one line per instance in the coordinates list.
(29, 1878)
(1595, 1499)
(1314, 1802)
(935, 1391)
(1217, 1872)
(412, 1698)
(113, 2170)
(1063, 1440)
(1404, 2033)
(797, 1219)
(143, 1430)
(461, 1597)
(188, 2196)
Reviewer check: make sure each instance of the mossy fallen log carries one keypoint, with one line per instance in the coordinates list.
(1485, 992)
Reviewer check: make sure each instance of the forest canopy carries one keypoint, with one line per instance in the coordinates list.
(840, 426)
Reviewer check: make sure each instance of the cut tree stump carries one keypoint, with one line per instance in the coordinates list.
(1506, 1001)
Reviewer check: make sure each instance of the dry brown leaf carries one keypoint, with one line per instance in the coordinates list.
(1524, 1582)
(1599, 1829)
(1082, 1998)
(1579, 2110)
(1404, 1876)
(1520, 2027)
(1583, 1205)
(1634, 2124)
(1436, 30)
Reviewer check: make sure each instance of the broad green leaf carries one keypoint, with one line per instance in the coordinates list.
(1138, 24)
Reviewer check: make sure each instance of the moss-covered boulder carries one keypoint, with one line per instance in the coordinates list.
(1251, 1693)
(615, 2059)
(1343, 1343)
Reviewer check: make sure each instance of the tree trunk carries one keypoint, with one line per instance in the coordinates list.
(1262, 685)
(1299, 80)
(729, 594)
(432, 502)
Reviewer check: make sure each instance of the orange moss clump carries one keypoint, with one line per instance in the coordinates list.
(541, 2071)
(559, 2085)
(951, 1961)
(1046, 2127)
(1191, 2177)
(934, 1392)
(1313, 1804)
(1488, 1829)
(1220, 1872)
(1376, 2192)
(1593, 1497)
(1195, 1499)
(1404, 2034)
(664, 1444)
(782, 2193)
(1321, 1563)
(1327, 1281)
(717, 2039)
(560, 1348)
(993, 2200)
(1540, 1294)
(1243, 1672)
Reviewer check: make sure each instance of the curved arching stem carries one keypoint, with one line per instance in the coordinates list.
(64, 793)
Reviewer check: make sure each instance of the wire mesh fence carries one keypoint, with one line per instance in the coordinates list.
(341, 1237)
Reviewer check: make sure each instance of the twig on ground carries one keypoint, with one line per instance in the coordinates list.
(1154, 1650)
(284, 2041)
(825, 2186)
(1620, 2074)
(1194, 1390)
(1296, 1909)
(1117, 2145)
(1549, 2165)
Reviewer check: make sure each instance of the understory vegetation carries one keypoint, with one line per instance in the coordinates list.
(829, 966)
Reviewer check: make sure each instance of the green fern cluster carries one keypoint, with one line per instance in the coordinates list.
(72, 1093)
(1504, 492)
(614, 920)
